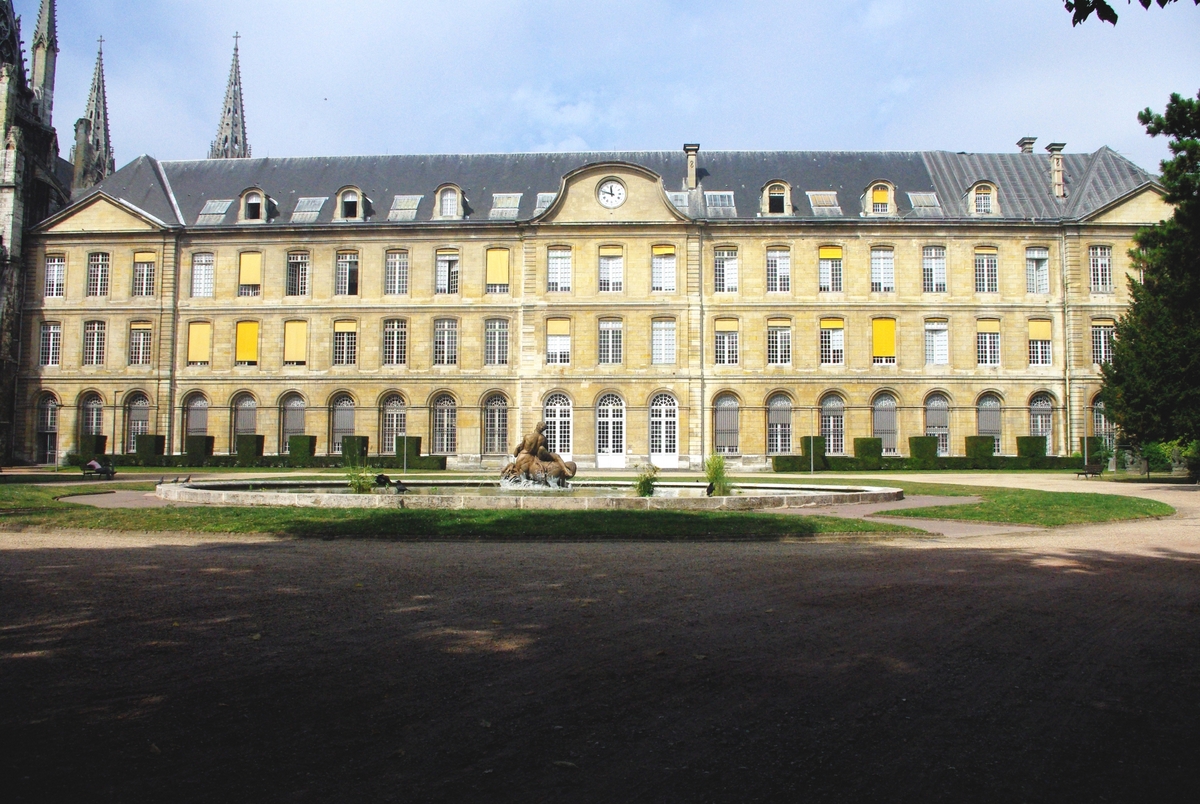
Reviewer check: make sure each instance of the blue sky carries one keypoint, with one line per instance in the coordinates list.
(391, 76)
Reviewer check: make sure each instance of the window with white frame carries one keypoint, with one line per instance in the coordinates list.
(395, 342)
(726, 424)
(989, 418)
(297, 274)
(983, 200)
(937, 421)
(50, 353)
(883, 270)
(1037, 270)
(395, 273)
(97, 274)
(725, 271)
(987, 343)
(497, 270)
(933, 269)
(612, 270)
(250, 273)
(884, 424)
(56, 276)
(829, 272)
(253, 206)
(448, 203)
(495, 342)
(446, 272)
(143, 275)
(725, 345)
(987, 271)
(445, 425)
(1040, 353)
(833, 424)
(937, 342)
(776, 199)
(349, 205)
(610, 347)
(445, 342)
(833, 342)
(880, 198)
(345, 276)
(558, 270)
(779, 425)
(558, 342)
(393, 422)
(202, 276)
(662, 269)
(93, 343)
(495, 425)
(1102, 341)
(779, 342)
(1100, 260)
(662, 342)
(779, 270)
(140, 339)
(345, 343)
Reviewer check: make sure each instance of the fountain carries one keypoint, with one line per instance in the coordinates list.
(535, 465)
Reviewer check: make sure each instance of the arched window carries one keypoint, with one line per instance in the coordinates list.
(47, 427)
(833, 424)
(937, 421)
(989, 414)
(779, 425)
(610, 432)
(137, 419)
(341, 421)
(254, 206)
(245, 416)
(557, 416)
(349, 205)
(195, 414)
(448, 203)
(725, 424)
(664, 431)
(495, 425)
(776, 199)
(393, 422)
(1102, 428)
(883, 423)
(1041, 419)
(880, 200)
(291, 417)
(445, 425)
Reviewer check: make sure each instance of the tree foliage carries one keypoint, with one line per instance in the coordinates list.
(1152, 386)
(1082, 9)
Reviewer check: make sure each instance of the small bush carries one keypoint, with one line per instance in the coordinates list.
(813, 448)
(714, 473)
(415, 460)
(646, 478)
(1031, 446)
(354, 449)
(198, 448)
(922, 451)
(91, 446)
(249, 449)
(981, 447)
(301, 449)
(869, 452)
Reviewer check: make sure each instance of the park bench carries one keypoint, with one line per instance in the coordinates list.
(106, 472)
(1090, 470)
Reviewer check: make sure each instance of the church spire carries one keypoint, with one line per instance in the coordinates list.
(45, 59)
(231, 134)
(93, 150)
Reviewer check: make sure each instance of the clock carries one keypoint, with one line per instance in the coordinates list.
(611, 193)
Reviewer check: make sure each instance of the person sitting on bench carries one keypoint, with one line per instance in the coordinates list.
(94, 467)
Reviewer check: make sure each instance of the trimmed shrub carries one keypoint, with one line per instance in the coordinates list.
(150, 448)
(922, 451)
(814, 447)
(1093, 449)
(91, 446)
(981, 448)
(301, 450)
(249, 449)
(415, 460)
(354, 450)
(869, 452)
(1031, 446)
(198, 449)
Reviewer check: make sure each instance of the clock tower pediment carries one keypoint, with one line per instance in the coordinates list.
(612, 192)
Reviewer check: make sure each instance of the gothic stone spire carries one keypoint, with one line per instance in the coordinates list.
(45, 59)
(231, 135)
(93, 149)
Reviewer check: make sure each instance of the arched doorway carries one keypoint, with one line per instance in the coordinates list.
(883, 423)
(779, 425)
(445, 425)
(495, 425)
(610, 432)
(137, 419)
(47, 430)
(341, 421)
(393, 422)
(1041, 419)
(245, 416)
(725, 424)
(664, 431)
(833, 424)
(989, 418)
(937, 421)
(556, 414)
(291, 419)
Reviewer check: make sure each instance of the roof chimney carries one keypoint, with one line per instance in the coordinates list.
(1056, 169)
(1026, 144)
(691, 149)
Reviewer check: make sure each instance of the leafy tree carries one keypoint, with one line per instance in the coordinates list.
(1152, 387)
(1082, 9)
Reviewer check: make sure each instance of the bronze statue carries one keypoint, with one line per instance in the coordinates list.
(535, 463)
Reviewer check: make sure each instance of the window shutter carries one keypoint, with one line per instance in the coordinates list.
(295, 342)
(988, 325)
(831, 252)
(497, 266)
(1039, 330)
(832, 323)
(558, 326)
(199, 341)
(247, 342)
(250, 268)
(345, 326)
(727, 325)
(883, 331)
(1103, 322)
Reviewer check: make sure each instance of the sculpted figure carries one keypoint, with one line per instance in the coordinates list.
(534, 462)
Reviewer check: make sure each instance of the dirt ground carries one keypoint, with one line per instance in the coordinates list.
(1046, 666)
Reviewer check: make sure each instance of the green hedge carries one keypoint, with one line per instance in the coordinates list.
(150, 449)
(249, 449)
(354, 449)
(813, 446)
(923, 451)
(1094, 449)
(981, 447)
(415, 460)
(302, 451)
(198, 448)
(869, 452)
(838, 463)
(91, 446)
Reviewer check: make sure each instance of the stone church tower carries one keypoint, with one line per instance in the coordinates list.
(93, 155)
(231, 134)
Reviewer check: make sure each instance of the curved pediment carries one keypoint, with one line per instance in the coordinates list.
(643, 199)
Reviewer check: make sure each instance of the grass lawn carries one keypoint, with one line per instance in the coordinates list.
(36, 506)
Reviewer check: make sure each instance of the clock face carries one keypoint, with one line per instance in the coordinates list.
(611, 193)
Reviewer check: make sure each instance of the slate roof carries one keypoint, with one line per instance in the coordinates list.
(176, 192)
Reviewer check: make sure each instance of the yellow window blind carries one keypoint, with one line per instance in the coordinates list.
(144, 256)
(1039, 330)
(295, 342)
(727, 325)
(345, 326)
(250, 268)
(141, 325)
(779, 322)
(988, 325)
(831, 252)
(664, 251)
(247, 342)
(1103, 322)
(879, 195)
(558, 326)
(610, 251)
(497, 266)
(986, 250)
(883, 340)
(445, 251)
(832, 323)
(199, 341)
(937, 321)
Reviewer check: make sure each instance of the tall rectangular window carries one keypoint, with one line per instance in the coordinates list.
(662, 269)
(937, 343)
(395, 342)
(395, 273)
(725, 345)
(495, 342)
(297, 273)
(139, 343)
(345, 343)
(833, 342)
(295, 343)
(1039, 343)
(610, 347)
(933, 269)
(199, 345)
(497, 270)
(93, 343)
(143, 274)
(202, 276)
(987, 342)
(779, 342)
(558, 341)
(558, 270)
(725, 271)
(883, 341)
(250, 273)
(987, 271)
(446, 272)
(612, 270)
(51, 351)
(983, 201)
(829, 275)
(662, 343)
(779, 271)
(445, 342)
(1102, 341)
(1100, 260)
(345, 274)
(97, 275)
(246, 344)
(883, 270)
(1037, 270)
(56, 277)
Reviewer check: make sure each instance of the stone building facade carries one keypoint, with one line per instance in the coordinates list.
(648, 305)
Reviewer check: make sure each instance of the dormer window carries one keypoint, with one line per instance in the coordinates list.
(881, 201)
(349, 205)
(254, 206)
(983, 200)
(776, 198)
(448, 203)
